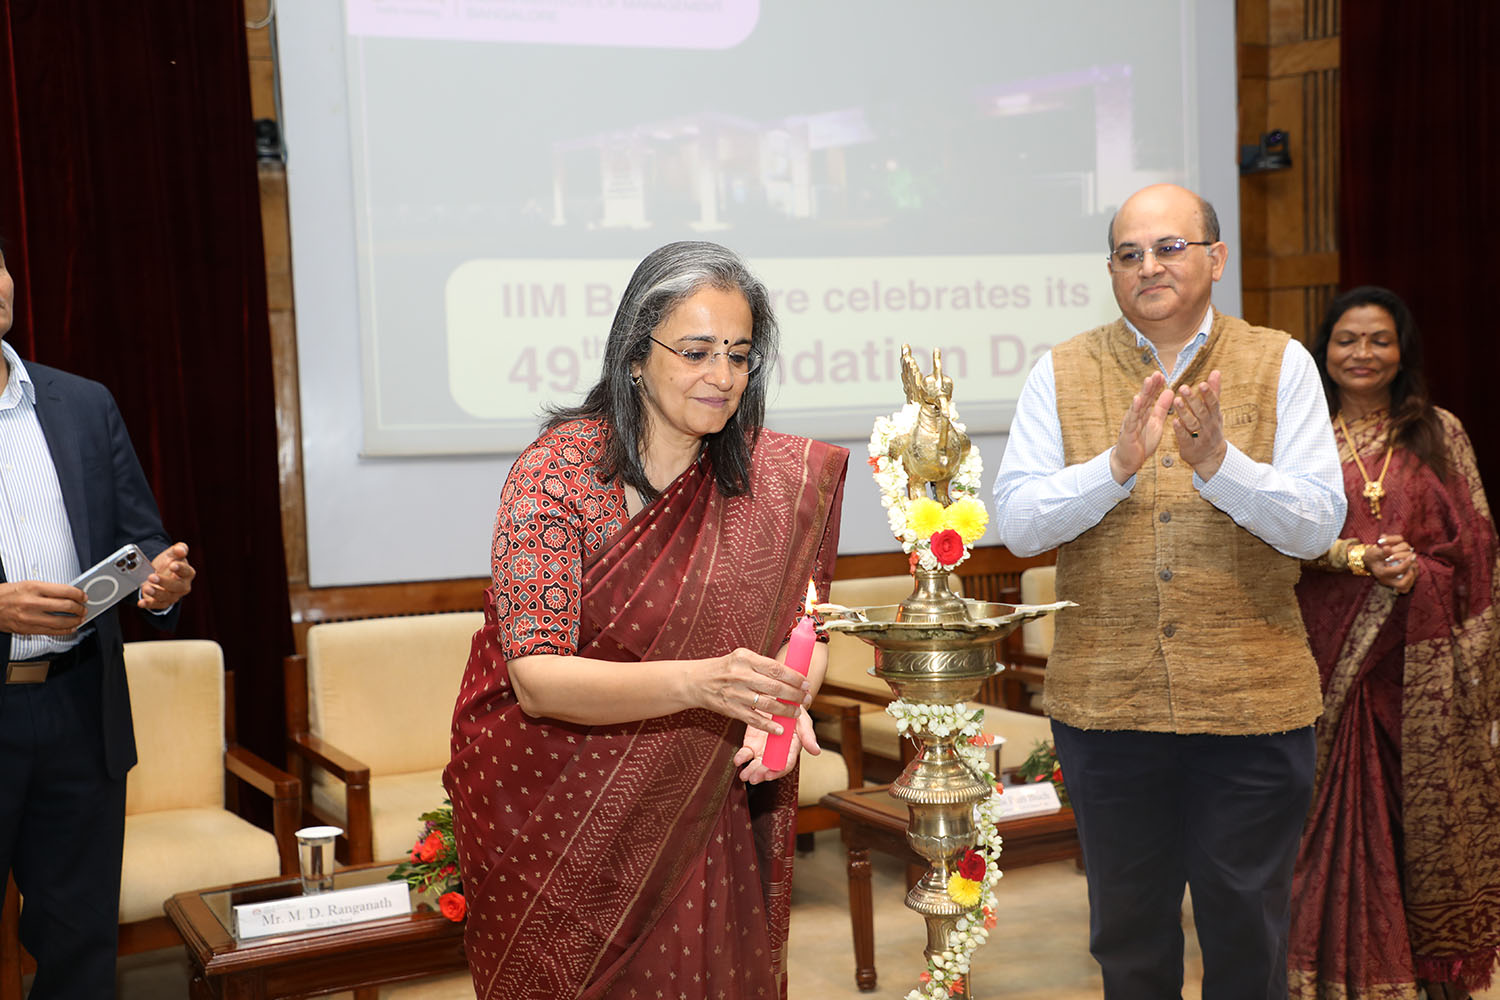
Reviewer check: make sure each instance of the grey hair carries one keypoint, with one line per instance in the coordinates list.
(1205, 212)
(661, 282)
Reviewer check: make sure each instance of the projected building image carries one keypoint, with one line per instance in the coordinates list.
(952, 167)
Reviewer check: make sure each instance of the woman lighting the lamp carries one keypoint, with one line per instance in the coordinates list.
(617, 829)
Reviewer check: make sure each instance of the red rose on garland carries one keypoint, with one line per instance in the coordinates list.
(972, 866)
(947, 546)
(453, 905)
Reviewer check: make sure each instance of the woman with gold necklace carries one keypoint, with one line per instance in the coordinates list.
(1398, 877)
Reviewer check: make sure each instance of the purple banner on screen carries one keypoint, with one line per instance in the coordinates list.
(666, 24)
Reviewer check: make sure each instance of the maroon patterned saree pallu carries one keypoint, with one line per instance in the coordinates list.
(616, 861)
(1398, 877)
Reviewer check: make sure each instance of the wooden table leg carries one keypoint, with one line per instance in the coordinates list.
(199, 987)
(861, 909)
(10, 942)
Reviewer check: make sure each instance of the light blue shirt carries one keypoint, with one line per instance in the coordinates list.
(1295, 503)
(36, 538)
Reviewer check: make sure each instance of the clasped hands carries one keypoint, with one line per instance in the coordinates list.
(1196, 421)
(1392, 562)
(40, 607)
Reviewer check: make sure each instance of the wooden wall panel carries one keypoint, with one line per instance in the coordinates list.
(276, 234)
(1288, 75)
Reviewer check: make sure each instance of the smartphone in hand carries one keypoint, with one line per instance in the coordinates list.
(111, 580)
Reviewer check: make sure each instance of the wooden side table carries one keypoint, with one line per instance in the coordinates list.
(870, 818)
(354, 957)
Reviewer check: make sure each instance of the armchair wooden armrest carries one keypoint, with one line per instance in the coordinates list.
(836, 690)
(330, 758)
(1015, 686)
(1018, 659)
(1025, 674)
(851, 742)
(261, 775)
(285, 793)
(1021, 674)
(305, 749)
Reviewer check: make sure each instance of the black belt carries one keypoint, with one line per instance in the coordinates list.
(37, 671)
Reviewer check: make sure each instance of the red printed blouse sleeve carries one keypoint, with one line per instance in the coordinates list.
(536, 558)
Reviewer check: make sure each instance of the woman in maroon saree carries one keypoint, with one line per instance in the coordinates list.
(617, 832)
(1398, 877)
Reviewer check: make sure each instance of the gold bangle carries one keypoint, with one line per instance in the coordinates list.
(1356, 557)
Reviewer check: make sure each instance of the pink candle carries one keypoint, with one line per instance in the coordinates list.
(798, 656)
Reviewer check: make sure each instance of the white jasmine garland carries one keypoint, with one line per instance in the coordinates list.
(945, 969)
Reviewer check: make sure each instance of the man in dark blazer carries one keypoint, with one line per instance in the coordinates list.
(71, 493)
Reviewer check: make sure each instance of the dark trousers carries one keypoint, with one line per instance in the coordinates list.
(62, 830)
(1220, 814)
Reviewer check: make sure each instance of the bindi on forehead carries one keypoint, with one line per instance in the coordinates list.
(704, 338)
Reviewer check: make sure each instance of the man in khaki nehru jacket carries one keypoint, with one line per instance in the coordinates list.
(1183, 462)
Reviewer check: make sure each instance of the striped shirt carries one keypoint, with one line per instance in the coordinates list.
(1295, 504)
(36, 538)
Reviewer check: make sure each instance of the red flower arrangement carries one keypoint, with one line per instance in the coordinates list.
(1042, 765)
(432, 863)
(947, 546)
(971, 866)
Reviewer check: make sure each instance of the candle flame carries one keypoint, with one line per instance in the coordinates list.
(812, 597)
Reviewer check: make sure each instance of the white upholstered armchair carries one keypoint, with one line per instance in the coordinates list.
(369, 711)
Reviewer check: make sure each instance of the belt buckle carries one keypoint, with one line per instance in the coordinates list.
(27, 673)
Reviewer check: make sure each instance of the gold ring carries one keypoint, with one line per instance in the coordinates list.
(754, 705)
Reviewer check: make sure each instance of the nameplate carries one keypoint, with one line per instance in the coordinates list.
(325, 909)
(1033, 799)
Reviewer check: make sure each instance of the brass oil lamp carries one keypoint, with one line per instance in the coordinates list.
(935, 648)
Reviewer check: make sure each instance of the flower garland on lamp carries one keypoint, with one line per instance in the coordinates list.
(979, 869)
(432, 864)
(934, 536)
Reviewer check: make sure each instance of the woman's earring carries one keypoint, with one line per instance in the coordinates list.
(635, 380)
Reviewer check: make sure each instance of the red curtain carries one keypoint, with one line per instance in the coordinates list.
(130, 207)
(1420, 198)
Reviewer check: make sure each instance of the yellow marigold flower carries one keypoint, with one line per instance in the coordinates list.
(968, 517)
(925, 517)
(963, 891)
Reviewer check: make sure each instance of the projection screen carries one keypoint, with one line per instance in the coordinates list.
(472, 182)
